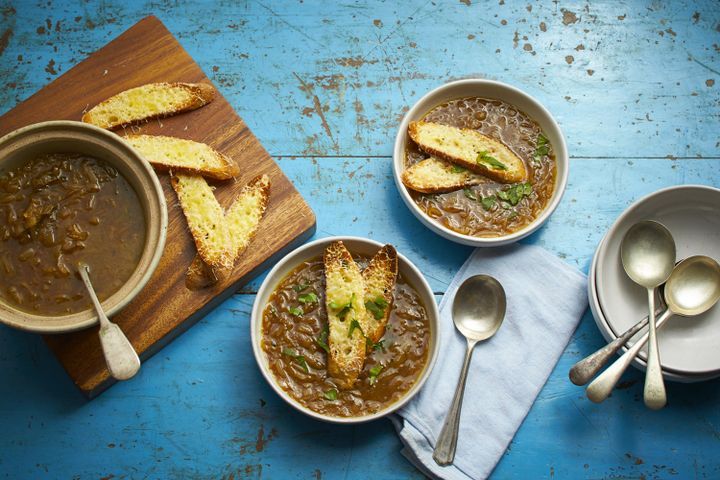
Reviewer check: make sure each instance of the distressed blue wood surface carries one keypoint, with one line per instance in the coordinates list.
(323, 85)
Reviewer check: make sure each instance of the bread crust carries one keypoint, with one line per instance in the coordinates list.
(444, 179)
(196, 95)
(516, 171)
(380, 277)
(151, 148)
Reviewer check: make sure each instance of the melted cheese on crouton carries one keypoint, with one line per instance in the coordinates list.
(433, 175)
(344, 294)
(148, 101)
(470, 149)
(205, 219)
(183, 155)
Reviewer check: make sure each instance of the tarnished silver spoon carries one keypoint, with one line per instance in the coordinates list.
(584, 370)
(648, 256)
(692, 289)
(120, 356)
(478, 311)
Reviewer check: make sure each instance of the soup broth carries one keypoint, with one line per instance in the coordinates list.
(55, 211)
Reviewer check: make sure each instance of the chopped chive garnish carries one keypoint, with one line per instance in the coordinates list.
(487, 159)
(374, 372)
(376, 307)
(515, 193)
(308, 298)
(353, 325)
(542, 146)
(321, 339)
(343, 309)
(300, 359)
(488, 202)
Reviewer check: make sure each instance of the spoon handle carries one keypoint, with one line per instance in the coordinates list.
(444, 452)
(121, 358)
(585, 369)
(602, 386)
(588, 367)
(654, 394)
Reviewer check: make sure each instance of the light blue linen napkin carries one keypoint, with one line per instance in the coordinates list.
(545, 300)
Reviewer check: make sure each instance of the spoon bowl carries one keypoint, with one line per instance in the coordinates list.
(648, 253)
(479, 307)
(694, 286)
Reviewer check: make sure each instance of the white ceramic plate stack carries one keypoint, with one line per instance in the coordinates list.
(689, 347)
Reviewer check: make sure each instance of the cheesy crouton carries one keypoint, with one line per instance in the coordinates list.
(148, 101)
(205, 219)
(344, 300)
(433, 175)
(470, 149)
(379, 276)
(177, 154)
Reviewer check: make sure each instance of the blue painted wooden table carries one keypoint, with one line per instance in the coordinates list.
(324, 85)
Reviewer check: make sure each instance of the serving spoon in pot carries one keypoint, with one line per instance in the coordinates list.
(478, 311)
(693, 288)
(648, 256)
(121, 358)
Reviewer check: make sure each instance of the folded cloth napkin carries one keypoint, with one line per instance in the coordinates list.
(545, 300)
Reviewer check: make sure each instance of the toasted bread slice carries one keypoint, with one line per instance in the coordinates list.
(344, 294)
(433, 175)
(470, 149)
(148, 101)
(380, 276)
(243, 216)
(242, 220)
(205, 219)
(177, 154)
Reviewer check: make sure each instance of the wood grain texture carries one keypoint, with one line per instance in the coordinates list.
(149, 53)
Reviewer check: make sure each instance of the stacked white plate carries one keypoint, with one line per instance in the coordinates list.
(689, 346)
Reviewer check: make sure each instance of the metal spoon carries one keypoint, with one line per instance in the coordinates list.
(648, 256)
(121, 358)
(692, 289)
(478, 311)
(584, 370)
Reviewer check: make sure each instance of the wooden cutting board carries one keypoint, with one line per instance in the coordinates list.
(146, 53)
